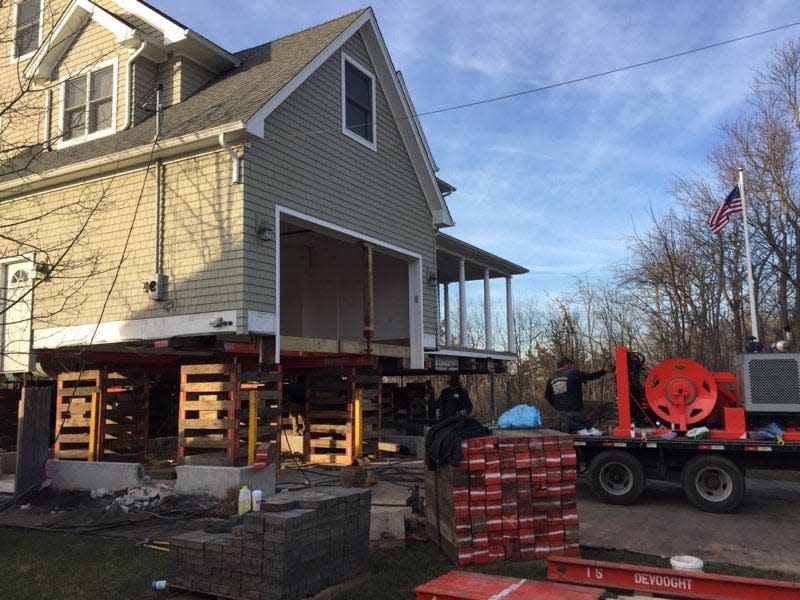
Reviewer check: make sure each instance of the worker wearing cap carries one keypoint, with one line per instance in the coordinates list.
(564, 392)
(454, 400)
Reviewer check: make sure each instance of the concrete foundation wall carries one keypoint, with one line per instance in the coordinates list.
(219, 481)
(80, 475)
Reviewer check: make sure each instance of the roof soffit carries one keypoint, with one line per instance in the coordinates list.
(182, 39)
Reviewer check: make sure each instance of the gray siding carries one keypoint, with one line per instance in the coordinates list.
(145, 73)
(193, 77)
(332, 177)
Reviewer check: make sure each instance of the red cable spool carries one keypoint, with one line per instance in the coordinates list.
(681, 391)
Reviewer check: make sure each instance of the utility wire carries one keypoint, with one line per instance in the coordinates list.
(558, 84)
(609, 72)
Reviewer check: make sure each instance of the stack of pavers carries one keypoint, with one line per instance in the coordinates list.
(512, 497)
(297, 545)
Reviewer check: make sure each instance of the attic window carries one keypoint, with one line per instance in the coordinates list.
(88, 105)
(358, 102)
(26, 36)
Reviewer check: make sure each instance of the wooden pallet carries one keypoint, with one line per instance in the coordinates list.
(125, 411)
(100, 415)
(329, 417)
(207, 415)
(260, 421)
(77, 404)
(369, 383)
(224, 414)
(387, 406)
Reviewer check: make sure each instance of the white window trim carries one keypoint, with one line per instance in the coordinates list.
(13, 58)
(62, 143)
(373, 145)
(26, 262)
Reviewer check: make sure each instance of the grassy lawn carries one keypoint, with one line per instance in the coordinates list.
(38, 564)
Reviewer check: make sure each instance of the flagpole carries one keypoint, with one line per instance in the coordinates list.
(751, 287)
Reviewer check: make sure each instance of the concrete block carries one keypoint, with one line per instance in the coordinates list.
(388, 526)
(414, 443)
(217, 481)
(7, 484)
(8, 463)
(86, 476)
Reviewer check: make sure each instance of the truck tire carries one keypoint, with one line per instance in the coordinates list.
(713, 483)
(616, 477)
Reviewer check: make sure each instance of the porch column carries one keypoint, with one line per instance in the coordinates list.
(462, 303)
(487, 310)
(448, 338)
(512, 343)
(369, 296)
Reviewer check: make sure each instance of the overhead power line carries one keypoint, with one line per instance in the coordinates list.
(605, 73)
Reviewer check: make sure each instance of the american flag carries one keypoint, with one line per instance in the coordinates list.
(732, 204)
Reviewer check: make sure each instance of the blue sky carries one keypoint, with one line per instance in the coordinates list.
(558, 180)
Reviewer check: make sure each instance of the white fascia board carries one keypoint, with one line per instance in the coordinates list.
(469, 353)
(172, 31)
(156, 328)
(412, 111)
(255, 124)
(65, 31)
(351, 233)
(406, 123)
(261, 322)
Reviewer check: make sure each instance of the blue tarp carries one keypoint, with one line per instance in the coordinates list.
(522, 416)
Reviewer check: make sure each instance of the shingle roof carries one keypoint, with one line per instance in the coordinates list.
(232, 97)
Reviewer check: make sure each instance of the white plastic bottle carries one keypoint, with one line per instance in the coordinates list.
(245, 500)
(257, 495)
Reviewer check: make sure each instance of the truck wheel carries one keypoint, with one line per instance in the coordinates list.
(713, 483)
(616, 477)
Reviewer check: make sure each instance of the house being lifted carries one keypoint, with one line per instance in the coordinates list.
(190, 236)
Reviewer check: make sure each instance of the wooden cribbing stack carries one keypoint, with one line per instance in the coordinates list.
(101, 415)
(224, 414)
(343, 415)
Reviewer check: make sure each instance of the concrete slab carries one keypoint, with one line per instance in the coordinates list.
(763, 532)
(7, 483)
(87, 476)
(217, 482)
(387, 525)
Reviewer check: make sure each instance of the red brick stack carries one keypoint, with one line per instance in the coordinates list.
(511, 498)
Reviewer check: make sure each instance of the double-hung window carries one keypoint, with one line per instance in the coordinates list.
(27, 18)
(88, 104)
(358, 102)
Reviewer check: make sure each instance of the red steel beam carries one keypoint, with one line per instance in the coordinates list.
(684, 584)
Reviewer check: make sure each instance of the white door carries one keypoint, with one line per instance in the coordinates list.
(15, 352)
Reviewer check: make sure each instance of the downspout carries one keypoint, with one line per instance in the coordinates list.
(159, 218)
(129, 85)
(48, 118)
(236, 176)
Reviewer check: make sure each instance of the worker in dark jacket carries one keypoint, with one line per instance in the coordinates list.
(564, 392)
(454, 400)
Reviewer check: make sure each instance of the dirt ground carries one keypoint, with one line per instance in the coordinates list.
(764, 532)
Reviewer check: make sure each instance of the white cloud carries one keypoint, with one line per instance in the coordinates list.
(555, 180)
